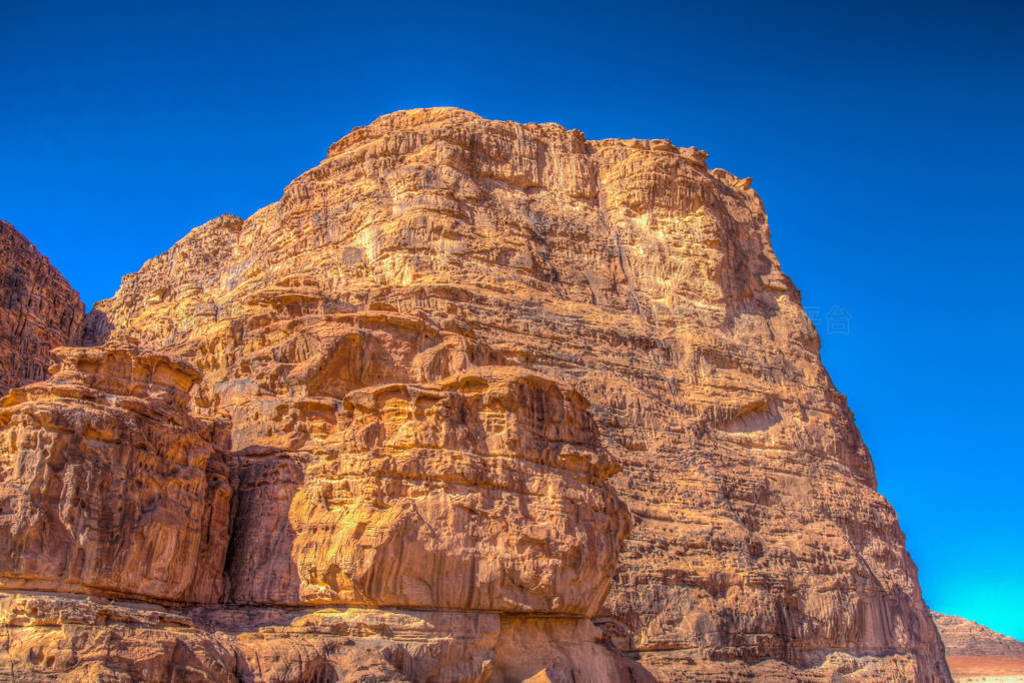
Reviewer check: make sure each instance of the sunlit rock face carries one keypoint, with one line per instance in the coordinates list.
(969, 638)
(977, 653)
(110, 486)
(38, 311)
(502, 403)
(484, 492)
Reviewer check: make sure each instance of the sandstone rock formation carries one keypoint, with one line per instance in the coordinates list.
(480, 499)
(964, 637)
(977, 653)
(110, 486)
(481, 493)
(449, 360)
(38, 311)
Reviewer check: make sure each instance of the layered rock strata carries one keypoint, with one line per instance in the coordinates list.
(976, 653)
(455, 529)
(485, 492)
(964, 637)
(52, 636)
(110, 486)
(38, 311)
(445, 356)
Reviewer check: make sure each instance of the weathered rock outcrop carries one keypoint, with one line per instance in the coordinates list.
(446, 355)
(38, 311)
(484, 492)
(110, 486)
(976, 653)
(480, 499)
(964, 637)
(50, 636)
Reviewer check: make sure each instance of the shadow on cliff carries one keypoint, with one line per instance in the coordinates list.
(96, 330)
(259, 563)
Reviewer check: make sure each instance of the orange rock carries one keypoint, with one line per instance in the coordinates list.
(110, 486)
(74, 638)
(451, 349)
(977, 653)
(485, 492)
(38, 311)
(964, 637)
(50, 635)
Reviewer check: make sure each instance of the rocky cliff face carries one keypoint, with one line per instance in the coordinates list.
(978, 654)
(474, 400)
(110, 486)
(964, 637)
(38, 311)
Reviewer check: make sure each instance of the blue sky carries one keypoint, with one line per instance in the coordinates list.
(884, 138)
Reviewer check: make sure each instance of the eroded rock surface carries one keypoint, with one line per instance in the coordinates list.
(484, 492)
(38, 311)
(964, 637)
(109, 485)
(449, 516)
(55, 636)
(451, 356)
(976, 653)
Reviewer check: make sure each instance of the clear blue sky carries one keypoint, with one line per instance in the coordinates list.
(885, 139)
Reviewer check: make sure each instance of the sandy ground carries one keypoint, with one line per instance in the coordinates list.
(987, 669)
